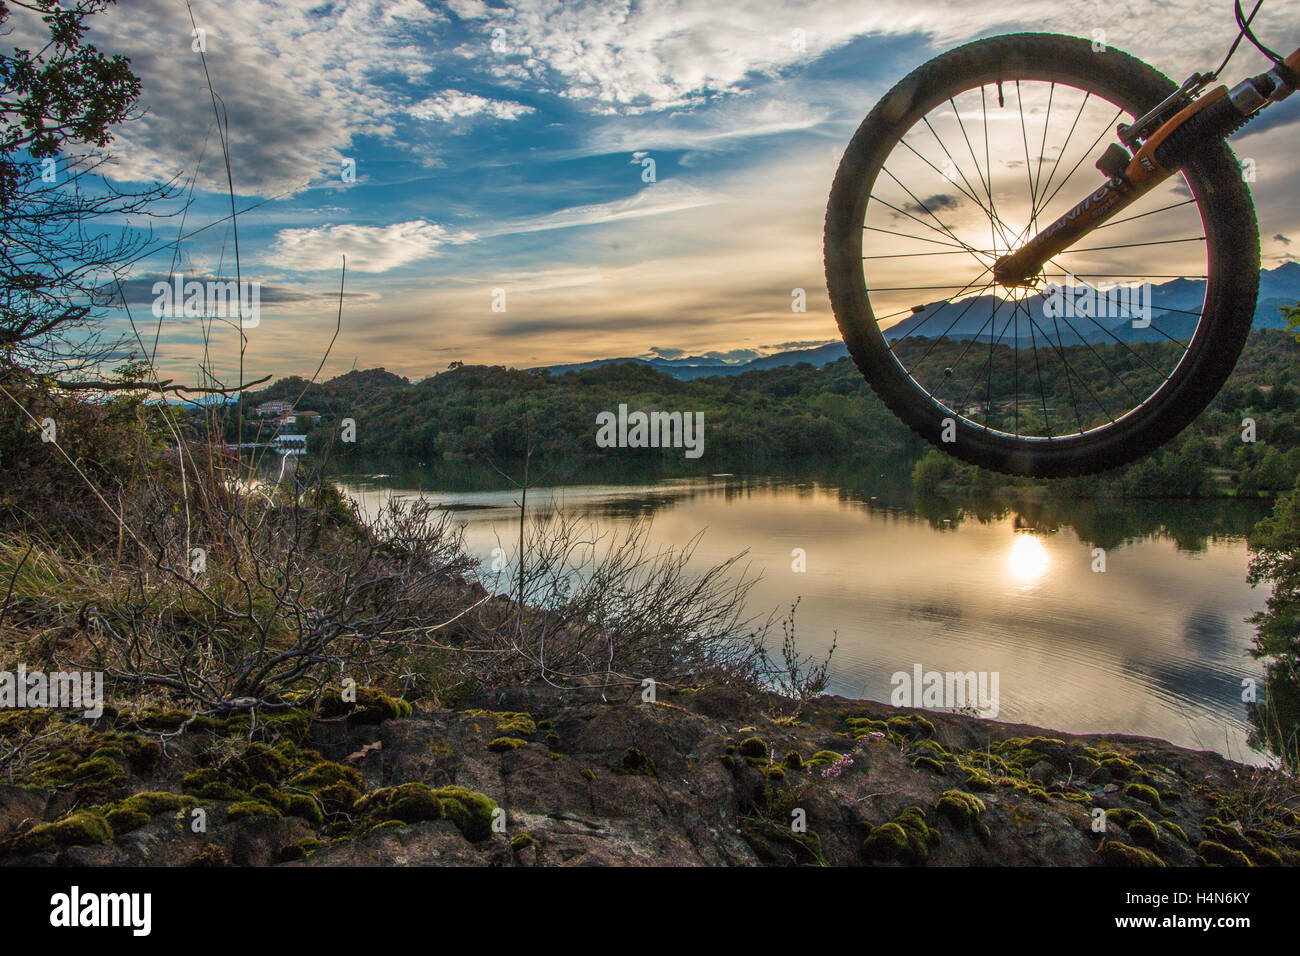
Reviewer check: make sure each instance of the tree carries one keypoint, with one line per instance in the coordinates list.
(1292, 315)
(1275, 559)
(57, 268)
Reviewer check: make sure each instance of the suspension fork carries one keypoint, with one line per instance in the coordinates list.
(1209, 118)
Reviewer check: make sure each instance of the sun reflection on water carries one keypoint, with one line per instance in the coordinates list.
(1027, 559)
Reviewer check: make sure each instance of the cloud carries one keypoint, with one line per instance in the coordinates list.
(299, 82)
(545, 280)
(931, 204)
(716, 125)
(303, 82)
(656, 199)
(733, 356)
(627, 58)
(139, 290)
(452, 105)
(367, 248)
(469, 9)
(792, 346)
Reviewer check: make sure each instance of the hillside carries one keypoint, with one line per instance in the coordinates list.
(760, 420)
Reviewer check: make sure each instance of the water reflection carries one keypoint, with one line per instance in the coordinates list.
(1027, 559)
(1275, 717)
(1155, 644)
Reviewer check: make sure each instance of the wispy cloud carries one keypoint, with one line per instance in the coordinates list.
(367, 248)
(452, 105)
(654, 200)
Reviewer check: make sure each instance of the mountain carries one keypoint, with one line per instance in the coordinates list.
(988, 317)
(671, 366)
(688, 369)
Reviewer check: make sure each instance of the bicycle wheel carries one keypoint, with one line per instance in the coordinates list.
(1124, 339)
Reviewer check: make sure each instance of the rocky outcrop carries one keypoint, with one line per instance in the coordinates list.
(710, 777)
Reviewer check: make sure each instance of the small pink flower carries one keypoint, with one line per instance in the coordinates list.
(835, 769)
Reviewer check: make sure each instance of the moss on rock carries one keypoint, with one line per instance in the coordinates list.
(963, 810)
(154, 802)
(205, 785)
(910, 726)
(1121, 854)
(754, 747)
(1140, 830)
(245, 809)
(124, 821)
(905, 839)
(300, 850)
(305, 807)
(1140, 791)
(886, 843)
(861, 727)
(822, 758)
(1176, 830)
(98, 780)
(83, 828)
(1216, 854)
(413, 802)
(338, 797)
(1121, 768)
(371, 706)
(326, 773)
(513, 724)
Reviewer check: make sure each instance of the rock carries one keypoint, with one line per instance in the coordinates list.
(671, 783)
(20, 809)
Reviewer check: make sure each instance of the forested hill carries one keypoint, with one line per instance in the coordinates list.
(755, 420)
(793, 412)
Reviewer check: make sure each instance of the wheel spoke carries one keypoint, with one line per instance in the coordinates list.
(1047, 375)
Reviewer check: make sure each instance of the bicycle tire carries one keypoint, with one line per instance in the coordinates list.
(1222, 198)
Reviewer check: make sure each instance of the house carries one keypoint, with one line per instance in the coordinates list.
(293, 416)
(276, 407)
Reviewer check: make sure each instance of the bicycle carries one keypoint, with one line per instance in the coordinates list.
(990, 242)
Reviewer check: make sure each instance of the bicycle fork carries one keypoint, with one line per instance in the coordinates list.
(1134, 170)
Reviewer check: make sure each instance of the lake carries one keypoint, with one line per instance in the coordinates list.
(1155, 644)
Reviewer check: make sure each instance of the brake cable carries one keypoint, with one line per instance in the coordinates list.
(1245, 32)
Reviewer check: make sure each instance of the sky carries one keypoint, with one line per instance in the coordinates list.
(500, 152)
